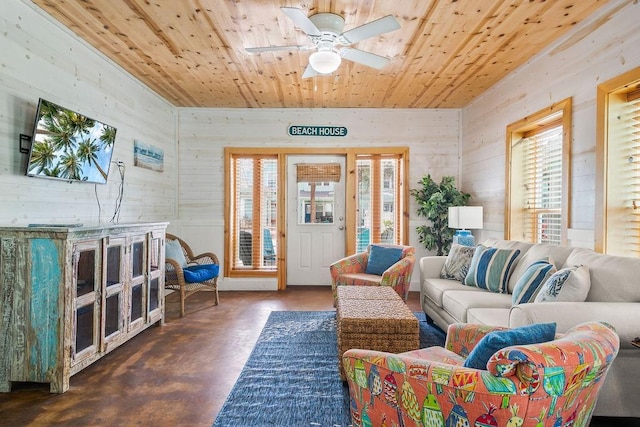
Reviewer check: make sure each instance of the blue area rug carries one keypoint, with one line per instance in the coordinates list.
(291, 378)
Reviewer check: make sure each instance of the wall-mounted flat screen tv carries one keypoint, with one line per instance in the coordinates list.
(69, 146)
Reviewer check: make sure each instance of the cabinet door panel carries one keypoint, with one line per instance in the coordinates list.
(85, 326)
(113, 313)
(87, 267)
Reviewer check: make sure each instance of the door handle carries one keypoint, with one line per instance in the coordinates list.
(341, 227)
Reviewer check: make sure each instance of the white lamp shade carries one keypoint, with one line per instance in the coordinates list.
(325, 61)
(465, 217)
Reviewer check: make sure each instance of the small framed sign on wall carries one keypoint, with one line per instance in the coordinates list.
(147, 156)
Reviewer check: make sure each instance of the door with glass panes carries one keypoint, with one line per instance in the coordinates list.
(315, 217)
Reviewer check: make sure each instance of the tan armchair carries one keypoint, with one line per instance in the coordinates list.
(188, 273)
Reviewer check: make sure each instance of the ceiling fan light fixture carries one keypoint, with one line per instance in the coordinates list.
(325, 61)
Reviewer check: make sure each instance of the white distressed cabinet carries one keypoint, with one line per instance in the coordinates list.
(70, 295)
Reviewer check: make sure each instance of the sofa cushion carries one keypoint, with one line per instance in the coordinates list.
(497, 340)
(457, 264)
(458, 302)
(434, 289)
(537, 252)
(381, 258)
(489, 316)
(613, 278)
(532, 280)
(490, 268)
(568, 284)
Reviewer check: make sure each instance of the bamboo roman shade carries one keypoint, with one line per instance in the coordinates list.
(318, 172)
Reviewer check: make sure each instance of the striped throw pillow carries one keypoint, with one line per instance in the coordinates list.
(532, 280)
(490, 268)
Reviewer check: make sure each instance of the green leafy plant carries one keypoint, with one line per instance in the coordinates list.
(433, 203)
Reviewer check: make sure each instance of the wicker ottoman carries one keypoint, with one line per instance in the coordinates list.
(374, 318)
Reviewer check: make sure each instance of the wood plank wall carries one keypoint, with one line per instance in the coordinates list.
(431, 135)
(603, 47)
(42, 59)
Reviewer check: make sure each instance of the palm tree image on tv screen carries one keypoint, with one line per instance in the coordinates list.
(70, 146)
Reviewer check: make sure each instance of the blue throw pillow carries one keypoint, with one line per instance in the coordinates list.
(497, 340)
(490, 268)
(201, 272)
(381, 258)
(531, 281)
(173, 250)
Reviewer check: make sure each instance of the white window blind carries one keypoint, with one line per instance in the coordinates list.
(378, 198)
(629, 175)
(542, 185)
(254, 207)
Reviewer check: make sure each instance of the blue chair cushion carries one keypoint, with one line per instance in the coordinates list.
(200, 273)
(497, 340)
(381, 258)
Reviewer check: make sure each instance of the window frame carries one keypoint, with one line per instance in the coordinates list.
(615, 87)
(514, 132)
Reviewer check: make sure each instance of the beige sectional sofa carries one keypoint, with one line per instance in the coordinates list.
(613, 297)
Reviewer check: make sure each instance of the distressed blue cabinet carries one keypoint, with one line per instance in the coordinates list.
(68, 296)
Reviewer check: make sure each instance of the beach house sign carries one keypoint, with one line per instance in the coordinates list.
(301, 130)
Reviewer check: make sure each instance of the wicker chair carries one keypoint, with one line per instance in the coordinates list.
(174, 273)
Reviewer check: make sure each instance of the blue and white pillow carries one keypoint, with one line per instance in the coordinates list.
(531, 281)
(570, 284)
(173, 250)
(490, 268)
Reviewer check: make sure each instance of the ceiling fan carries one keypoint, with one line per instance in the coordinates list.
(331, 44)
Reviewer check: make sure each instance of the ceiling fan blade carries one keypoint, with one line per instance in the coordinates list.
(309, 72)
(301, 20)
(372, 29)
(365, 58)
(274, 48)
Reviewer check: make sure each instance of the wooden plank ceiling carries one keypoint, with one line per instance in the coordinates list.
(192, 52)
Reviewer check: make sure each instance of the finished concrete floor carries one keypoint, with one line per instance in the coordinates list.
(177, 374)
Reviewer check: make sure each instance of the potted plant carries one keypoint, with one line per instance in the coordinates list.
(434, 201)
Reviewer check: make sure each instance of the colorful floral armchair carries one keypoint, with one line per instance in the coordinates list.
(555, 383)
(352, 271)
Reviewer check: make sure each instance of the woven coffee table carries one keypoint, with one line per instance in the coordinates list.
(374, 318)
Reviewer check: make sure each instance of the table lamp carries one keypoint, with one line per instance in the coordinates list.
(463, 218)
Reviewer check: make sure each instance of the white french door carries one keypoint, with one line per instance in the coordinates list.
(315, 217)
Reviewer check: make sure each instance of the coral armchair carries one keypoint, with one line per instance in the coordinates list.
(352, 270)
(555, 383)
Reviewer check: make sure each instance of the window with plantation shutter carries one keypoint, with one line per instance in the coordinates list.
(542, 185)
(618, 151)
(537, 176)
(254, 206)
(378, 198)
